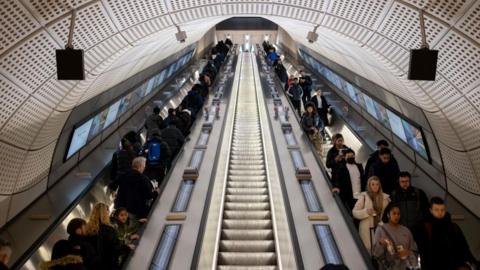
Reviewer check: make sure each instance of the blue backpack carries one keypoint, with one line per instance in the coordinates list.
(153, 156)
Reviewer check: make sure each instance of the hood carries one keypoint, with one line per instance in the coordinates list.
(69, 259)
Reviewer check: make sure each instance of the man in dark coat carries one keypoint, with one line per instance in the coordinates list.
(385, 169)
(412, 201)
(374, 157)
(156, 169)
(122, 160)
(154, 121)
(295, 93)
(281, 71)
(441, 242)
(349, 179)
(306, 84)
(321, 105)
(79, 240)
(173, 137)
(134, 190)
(335, 154)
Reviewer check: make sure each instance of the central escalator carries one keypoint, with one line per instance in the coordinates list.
(247, 239)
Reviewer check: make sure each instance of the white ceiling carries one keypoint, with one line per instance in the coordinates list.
(123, 37)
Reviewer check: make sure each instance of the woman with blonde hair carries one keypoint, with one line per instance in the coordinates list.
(369, 210)
(105, 238)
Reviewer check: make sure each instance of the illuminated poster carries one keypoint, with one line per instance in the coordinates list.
(112, 114)
(370, 106)
(160, 77)
(396, 125)
(97, 124)
(124, 103)
(382, 115)
(79, 138)
(414, 138)
(150, 86)
(352, 91)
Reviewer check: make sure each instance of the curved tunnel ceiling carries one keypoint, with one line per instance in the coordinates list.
(123, 37)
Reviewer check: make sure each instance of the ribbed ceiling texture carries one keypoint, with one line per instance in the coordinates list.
(123, 37)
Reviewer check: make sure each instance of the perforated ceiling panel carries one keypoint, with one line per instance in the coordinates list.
(123, 37)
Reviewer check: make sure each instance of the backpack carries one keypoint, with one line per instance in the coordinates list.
(153, 156)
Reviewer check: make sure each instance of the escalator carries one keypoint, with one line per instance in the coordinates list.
(247, 238)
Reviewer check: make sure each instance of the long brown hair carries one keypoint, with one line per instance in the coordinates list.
(377, 198)
(99, 215)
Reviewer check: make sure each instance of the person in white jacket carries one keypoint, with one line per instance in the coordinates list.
(369, 210)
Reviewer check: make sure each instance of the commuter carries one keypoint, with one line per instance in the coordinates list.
(374, 157)
(272, 55)
(335, 154)
(306, 84)
(105, 238)
(322, 106)
(295, 93)
(228, 42)
(173, 137)
(171, 116)
(158, 156)
(289, 82)
(441, 242)
(126, 226)
(202, 86)
(412, 201)
(309, 119)
(135, 190)
(122, 159)
(193, 101)
(63, 258)
(184, 120)
(77, 236)
(349, 180)
(393, 245)
(5, 254)
(136, 142)
(154, 121)
(369, 210)
(281, 71)
(386, 169)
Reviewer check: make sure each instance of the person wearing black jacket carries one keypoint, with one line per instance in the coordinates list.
(122, 160)
(173, 137)
(306, 84)
(321, 105)
(412, 201)
(441, 242)
(156, 168)
(335, 154)
(63, 258)
(385, 169)
(374, 157)
(349, 179)
(295, 93)
(105, 239)
(77, 236)
(281, 71)
(134, 190)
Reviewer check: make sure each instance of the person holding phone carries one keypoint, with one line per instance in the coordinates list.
(335, 155)
(393, 245)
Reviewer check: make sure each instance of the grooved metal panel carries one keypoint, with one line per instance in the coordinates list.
(441, 90)
(459, 61)
(50, 10)
(447, 136)
(11, 97)
(470, 22)
(459, 169)
(466, 121)
(53, 91)
(144, 29)
(447, 10)
(131, 12)
(92, 17)
(348, 29)
(22, 127)
(10, 162)
(402, 25)
(35, 167)
(361, 11)
(184, 4)
(50, 129)
(15, 23)
(390, 50)
(30, 63)
(318, 5)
